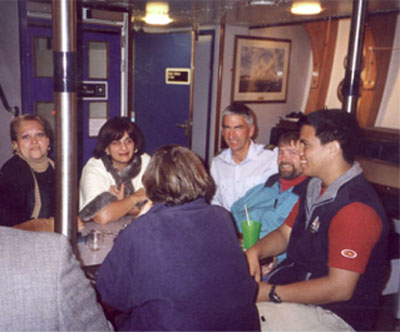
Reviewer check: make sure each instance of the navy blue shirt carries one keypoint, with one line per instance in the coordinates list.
(180, 268)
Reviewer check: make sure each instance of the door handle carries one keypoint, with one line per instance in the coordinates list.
(185, 126)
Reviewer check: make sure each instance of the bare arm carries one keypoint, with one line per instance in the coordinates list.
(272, 244)
(340, 282)
(338, 285)
(116, 210)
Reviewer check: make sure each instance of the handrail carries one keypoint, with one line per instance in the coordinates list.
(13, 110)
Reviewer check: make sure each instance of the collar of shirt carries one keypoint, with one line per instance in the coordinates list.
(287, 184)
(254, 151)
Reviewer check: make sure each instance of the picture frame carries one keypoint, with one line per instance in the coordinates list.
(261, 69)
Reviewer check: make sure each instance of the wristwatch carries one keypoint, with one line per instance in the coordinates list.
(273, 297)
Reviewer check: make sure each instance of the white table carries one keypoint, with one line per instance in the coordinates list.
(110, 231)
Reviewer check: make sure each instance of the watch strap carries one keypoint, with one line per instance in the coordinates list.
(273, 297)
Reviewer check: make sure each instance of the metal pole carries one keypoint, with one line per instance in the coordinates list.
(125, 37)
(351, 86)
(65, 88)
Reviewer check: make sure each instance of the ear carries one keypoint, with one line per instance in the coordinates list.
(252, 130)
(334, 149)
(14, 147)
(107, 151)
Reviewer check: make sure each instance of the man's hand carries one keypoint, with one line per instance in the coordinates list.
(337, 286)
(254, 264)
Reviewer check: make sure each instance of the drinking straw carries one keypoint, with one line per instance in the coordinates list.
(247, 214)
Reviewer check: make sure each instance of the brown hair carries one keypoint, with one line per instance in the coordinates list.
(15, 123)
(113, 130)
(175, 175)
(288, 137)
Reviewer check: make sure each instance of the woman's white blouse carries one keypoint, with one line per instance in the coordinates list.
(95, 180)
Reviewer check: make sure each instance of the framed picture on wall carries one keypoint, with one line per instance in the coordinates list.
(261, 69)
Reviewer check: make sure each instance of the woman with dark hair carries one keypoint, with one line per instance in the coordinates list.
(111, 181)
(27, 180)
(179, 266)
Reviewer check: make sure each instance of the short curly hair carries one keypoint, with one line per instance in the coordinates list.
(175, 175)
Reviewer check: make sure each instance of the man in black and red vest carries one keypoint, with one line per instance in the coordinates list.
(335, 238)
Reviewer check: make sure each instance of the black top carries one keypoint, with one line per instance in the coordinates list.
(17, 192)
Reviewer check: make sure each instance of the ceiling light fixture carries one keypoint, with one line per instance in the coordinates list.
(306, 8)
(261, 2)
(157, 13)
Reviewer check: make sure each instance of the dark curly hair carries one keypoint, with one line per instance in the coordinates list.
(113, 130)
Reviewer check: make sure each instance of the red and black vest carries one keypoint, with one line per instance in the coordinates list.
(307, 253)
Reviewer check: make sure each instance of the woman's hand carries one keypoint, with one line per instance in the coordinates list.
(140, 195)
(80, 224)
(119, 193)
(139, 200)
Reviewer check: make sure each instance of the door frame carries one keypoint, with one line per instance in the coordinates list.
(43, 17)
(208, 116)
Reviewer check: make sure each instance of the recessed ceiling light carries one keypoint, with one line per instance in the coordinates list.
(157, 13)
(306, 8)
(261, 2)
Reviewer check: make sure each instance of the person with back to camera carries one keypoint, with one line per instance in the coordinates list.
(27, 180)
(42, 286)
(179, 266)
(244, 164)
(111, 182)
(335, 238)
